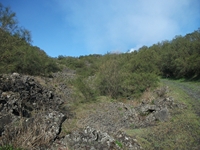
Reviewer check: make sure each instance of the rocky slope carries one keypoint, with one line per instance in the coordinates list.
(31, 116)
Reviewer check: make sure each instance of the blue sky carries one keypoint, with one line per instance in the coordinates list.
(83, 27)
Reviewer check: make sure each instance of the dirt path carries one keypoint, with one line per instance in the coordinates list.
(192, 89)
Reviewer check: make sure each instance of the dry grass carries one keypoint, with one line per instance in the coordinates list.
(148, 96)
(40, 80)
(29, 136)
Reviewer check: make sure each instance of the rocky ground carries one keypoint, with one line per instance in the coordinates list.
(32, 114)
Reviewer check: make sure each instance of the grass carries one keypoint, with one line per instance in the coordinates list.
(9, 147)
(181, 132)
(119, 144)
(25, 136)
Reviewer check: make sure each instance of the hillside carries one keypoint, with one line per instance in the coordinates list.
(146, 99)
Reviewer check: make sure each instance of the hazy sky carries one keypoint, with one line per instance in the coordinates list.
(83, 27)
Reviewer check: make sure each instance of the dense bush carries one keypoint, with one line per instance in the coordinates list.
(110, 78)
(181, 56)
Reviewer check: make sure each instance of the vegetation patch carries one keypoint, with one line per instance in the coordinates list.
(181, 132)
(119, 144)
(9, 147)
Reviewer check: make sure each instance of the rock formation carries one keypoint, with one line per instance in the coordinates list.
(28, 108)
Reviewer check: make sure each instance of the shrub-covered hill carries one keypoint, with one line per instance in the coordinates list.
(178, 58)
(128, 75)
(125, 75)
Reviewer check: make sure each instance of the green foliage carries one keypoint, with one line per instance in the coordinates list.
(9, 23)
(23, 58)
(144, 61)
(180, 57)
(110, 78)
(17, 55)
(136, 83)
(119, 144)
(84, 65)
(115, 75)
(117, 78)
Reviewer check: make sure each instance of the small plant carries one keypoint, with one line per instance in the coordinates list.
(153, 102)
(120, 109)
(119, 144)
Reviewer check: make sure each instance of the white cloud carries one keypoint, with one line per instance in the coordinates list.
(117, 24)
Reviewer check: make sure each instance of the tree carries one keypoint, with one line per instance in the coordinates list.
(9, 23)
